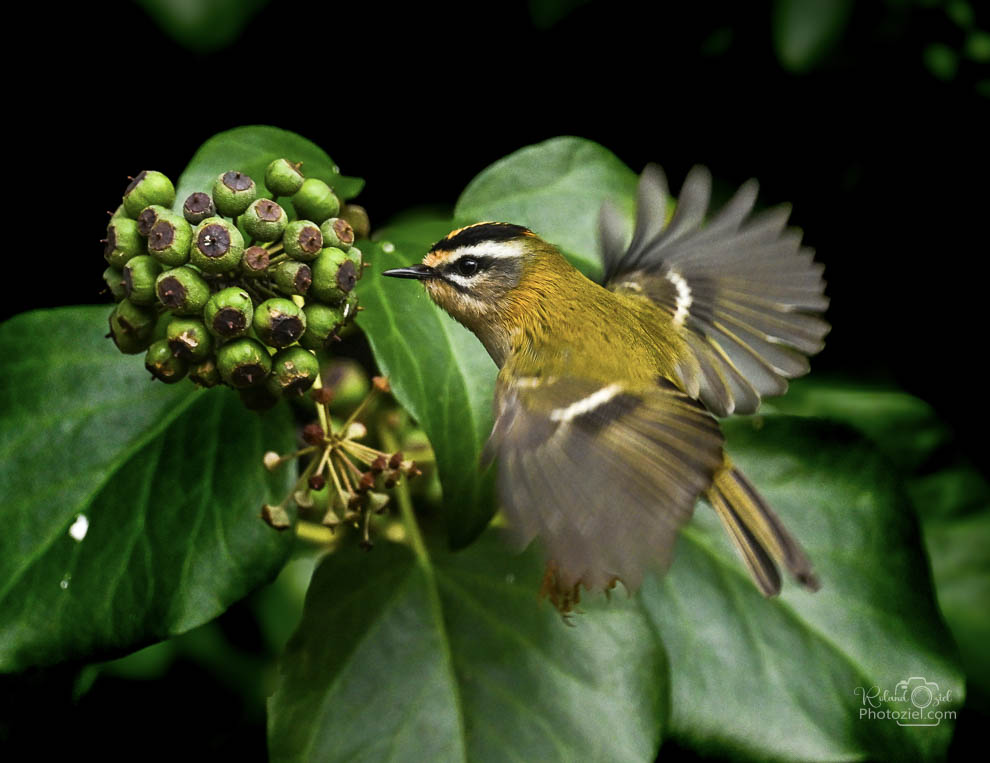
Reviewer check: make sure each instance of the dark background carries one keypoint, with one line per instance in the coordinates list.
(885, 163)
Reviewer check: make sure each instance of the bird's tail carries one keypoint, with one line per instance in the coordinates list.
(757, 532)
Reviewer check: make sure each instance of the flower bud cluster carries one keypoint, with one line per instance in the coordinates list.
(229, 286)
(345, 481)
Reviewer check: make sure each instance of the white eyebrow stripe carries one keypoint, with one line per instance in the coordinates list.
(498, 250)
(587, 404)
(684, 298)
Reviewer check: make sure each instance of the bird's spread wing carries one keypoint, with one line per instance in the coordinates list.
(603, 475)
(747, 294)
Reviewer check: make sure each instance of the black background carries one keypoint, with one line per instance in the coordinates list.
(886, 166)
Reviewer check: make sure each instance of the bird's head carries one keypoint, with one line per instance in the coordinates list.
(478, 274)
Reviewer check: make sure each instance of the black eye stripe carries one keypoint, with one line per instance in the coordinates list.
(468, 265)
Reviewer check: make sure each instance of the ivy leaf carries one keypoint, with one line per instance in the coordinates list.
(130, 508)
(409, 657)
(250, 150)
(784, 678)
(438, 371)
(203, 26)
(555, 188)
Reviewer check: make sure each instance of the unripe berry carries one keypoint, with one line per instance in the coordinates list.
(197, 207)
(265, 220)
(243, 363)
(293, 371)
(337, 232)
(114, 279)
(322, 322)
(293, 277)
(283, 178)
(139, 275)
(357, 216)
(334, 275)
(255, 262)
(279, 322)
(233, 192)
(132, 327)
(148, 217)
(169, 239)
(123, 242)
(357, 257)
(315, 201)
(217, 246)
(205, 373)
(188, 339)
(183, 291)
(302, 240)
(228, 313)
(147, 188)
(162, 364)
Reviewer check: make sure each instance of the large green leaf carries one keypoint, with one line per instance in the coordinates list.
(951, 497)
(251, 149)
(438, 370)
(556, 188)
(405, 657)
(778, 678)
(166, 480)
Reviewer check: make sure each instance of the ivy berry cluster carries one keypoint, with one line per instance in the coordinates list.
(232, 290)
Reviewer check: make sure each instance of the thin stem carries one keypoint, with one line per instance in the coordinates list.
(408, 513)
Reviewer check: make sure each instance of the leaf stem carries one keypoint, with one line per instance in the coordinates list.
(408, 513)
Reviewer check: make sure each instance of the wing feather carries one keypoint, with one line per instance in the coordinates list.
(603, 480)
(751, 313)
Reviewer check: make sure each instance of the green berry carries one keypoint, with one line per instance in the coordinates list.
(114, 279)
(205, 373)
(334, 275)
(183, 291)
(350, 307)
(121, 211)
(292, 277)
(265, 220)
(217, 246)
(169, 239)
(322, 323)
(228, 313)
(354, 255)
(148, 216)
(132, 327)
(255, 262)
(139, 275)
(197, 207)
(293, 371)
(283, 178)
(162, 364)
(302, 240)
(279, 322)
(357, 216)
(315, 201)
(243, 363)
(233, 192)
(188, 339)
(148, 188)
(122, 242)
(337, 232)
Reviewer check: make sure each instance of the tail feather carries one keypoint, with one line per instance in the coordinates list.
(757, 532)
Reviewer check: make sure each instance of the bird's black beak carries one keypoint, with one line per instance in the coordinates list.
(420, 272)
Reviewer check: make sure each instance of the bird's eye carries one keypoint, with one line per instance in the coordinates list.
(467, 266)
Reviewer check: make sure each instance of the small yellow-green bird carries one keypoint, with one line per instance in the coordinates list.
(605, 431)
